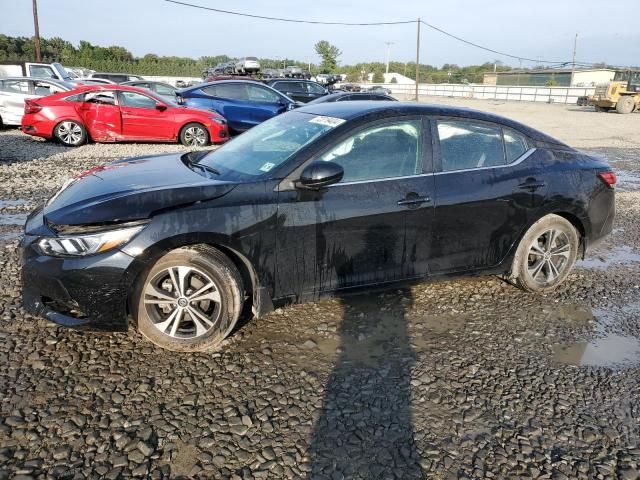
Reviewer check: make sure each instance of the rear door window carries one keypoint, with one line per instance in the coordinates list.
(235, 91)
(100, 98)
(465, 145)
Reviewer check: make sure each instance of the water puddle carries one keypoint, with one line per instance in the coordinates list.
(12, 203)
(6, 237)
(610, 351)
(627, 180)
(13, 218)
(607, 348)
(620, 255)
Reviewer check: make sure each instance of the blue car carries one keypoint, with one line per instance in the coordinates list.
(243, 103)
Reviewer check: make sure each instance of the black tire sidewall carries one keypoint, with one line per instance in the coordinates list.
(520, 263)
(83, 139)
(213, 263)
(194, 124)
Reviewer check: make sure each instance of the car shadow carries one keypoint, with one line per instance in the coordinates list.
(364, 428)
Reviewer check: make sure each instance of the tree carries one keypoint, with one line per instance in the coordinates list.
(393, 80)
(329, 54)
(378, 77)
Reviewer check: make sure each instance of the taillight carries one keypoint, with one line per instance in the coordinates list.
(31, 107)
(609, 178)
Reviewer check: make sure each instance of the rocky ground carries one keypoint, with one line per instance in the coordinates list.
(455, 379)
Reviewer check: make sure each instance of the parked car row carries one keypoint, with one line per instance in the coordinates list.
(143, 110)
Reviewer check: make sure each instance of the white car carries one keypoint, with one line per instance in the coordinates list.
(15, 90)
(247, 65)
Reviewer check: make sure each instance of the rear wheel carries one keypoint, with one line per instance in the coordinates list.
(545, 255)
(190, 300)
(194, 135)
(625, 104)
(70, 133)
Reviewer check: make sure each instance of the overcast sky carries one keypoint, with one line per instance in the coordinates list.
(541, 28)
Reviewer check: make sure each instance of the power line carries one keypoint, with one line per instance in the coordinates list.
(361, 24)
(444, 32)
(290, 20)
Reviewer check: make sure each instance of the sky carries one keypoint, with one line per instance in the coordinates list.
(542, 29)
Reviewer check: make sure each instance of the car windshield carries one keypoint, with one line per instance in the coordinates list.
(266, 146)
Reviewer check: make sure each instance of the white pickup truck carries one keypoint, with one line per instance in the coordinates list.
(35, 70)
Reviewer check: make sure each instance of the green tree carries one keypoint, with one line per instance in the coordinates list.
(378, 77)
(329, 54)
(393, 80)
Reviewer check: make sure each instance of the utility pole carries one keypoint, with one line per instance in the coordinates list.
(388, 44)
(418, 60)
(37, 30)
(573, 63)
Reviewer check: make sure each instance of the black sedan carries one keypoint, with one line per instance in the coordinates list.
(316, 200)
(351, 96)
(299, 90)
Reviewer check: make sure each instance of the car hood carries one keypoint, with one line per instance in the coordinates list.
(131, 189)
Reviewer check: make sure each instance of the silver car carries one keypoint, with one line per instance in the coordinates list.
(247, 65)
(15, 90)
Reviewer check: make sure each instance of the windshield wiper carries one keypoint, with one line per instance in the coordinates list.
(204, 167)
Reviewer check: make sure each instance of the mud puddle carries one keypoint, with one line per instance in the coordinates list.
(608, 348)
(624, 255)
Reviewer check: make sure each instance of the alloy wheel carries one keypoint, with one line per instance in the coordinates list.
(70, 133)
(548, 256)
(182, 302)
(195, 136)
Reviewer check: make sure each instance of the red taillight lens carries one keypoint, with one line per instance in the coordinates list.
(31, 107)
(608, 177)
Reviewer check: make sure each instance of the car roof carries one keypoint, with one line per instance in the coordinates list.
(364, 108)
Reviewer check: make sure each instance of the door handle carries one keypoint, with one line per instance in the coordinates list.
(531, 185)
(414, 201)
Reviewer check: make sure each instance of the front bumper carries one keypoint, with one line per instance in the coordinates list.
(87, 293)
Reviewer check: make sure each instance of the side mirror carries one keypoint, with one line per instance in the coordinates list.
(161, 106)
(320, 174)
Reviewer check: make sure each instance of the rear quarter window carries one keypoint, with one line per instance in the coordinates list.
(515, 144)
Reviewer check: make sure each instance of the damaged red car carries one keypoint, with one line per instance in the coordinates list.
(114, 113)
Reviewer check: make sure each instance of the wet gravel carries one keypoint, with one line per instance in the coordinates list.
(454, 379)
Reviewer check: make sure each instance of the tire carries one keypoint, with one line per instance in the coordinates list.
(625, 105)
(164, 315)
(535, 268)
(194, 135)
(70, 133)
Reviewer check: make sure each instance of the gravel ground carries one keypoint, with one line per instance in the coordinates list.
(456, 379)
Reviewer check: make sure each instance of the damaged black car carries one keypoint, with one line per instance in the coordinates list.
(324, 198)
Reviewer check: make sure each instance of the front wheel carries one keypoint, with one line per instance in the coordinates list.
(190, 300)
(70, 133)
(625, 105)
(194, 135)
(545, 255)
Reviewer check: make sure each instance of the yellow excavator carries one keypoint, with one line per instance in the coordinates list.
(623, 93)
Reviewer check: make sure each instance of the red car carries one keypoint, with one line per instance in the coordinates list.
(115, 113)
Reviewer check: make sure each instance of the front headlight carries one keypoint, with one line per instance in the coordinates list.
(82, 245)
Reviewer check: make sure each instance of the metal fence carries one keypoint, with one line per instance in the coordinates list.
(491, 92)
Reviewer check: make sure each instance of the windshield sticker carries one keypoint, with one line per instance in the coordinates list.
(328, 121)
(267, 166)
